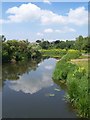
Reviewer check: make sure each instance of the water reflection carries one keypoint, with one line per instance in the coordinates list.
(14, 71)
(34, 78)
(29, 78)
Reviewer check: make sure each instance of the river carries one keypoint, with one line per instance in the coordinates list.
(28, 91)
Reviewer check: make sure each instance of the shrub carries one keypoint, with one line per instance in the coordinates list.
(62, 70)
(71, 54)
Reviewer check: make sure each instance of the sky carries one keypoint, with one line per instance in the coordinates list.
(47, 0)
(48, 20)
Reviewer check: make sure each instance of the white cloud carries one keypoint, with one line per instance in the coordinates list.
(57, 31)
(63, 30)
(40, 34)
(30, 12)
(67, 29)
(49, 30)
(78, 16)
(2, 21)
(31, 86)
(25, 12)
(48, 17)
(47, 1)
(49, 67)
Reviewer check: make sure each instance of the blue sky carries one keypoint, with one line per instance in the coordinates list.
(37, 20)
(46, 0)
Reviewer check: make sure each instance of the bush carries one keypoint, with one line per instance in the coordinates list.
(13, 50)
(71, 54)
(62, 70)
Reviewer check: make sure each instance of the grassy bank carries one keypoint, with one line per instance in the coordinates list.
(76, 77)
(56, 53)
(82, 63)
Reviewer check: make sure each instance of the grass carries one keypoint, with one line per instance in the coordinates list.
(83, 56)
(75, 73)
(77, 84)
(55, 53)
(82, 63)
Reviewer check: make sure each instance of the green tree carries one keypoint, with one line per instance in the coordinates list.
(79, 43)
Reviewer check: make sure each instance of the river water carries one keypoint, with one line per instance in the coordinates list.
(28, 91)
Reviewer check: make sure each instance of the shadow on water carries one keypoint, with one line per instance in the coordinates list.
(12, 71)
(30, 92)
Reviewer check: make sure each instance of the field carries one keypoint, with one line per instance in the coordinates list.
(55, 53)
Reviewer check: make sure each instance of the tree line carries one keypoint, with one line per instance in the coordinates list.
(81, 43)
(15, 50)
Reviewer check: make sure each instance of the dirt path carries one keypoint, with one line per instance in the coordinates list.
(84, 59)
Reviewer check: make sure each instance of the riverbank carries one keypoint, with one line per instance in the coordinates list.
(75, 74)
(30, 86)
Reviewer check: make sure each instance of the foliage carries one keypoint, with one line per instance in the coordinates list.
(13, 50)
(56, 44)
(71, 54)
(44, 44)
(62, 69)
(77, 84)
(82, 43)
(76, 78)
(58, 53)
(83, 63)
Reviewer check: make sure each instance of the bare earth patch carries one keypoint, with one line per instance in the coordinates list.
(84, 59)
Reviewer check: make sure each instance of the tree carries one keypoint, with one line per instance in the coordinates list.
(57, 42)
(13, 50)
(79, 43)
(3, 38)
(38, 41)
(45, 44)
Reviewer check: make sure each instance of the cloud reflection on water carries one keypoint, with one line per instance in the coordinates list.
(35, 80)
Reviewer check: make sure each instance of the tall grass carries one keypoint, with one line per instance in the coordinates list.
(71, 54)
(77, 84)
(56, 53)
(76, 77)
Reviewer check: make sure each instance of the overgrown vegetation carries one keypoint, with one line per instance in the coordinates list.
(71, 54)
(56, 53)
(76, 78)
(14, 50)
(63, 67)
